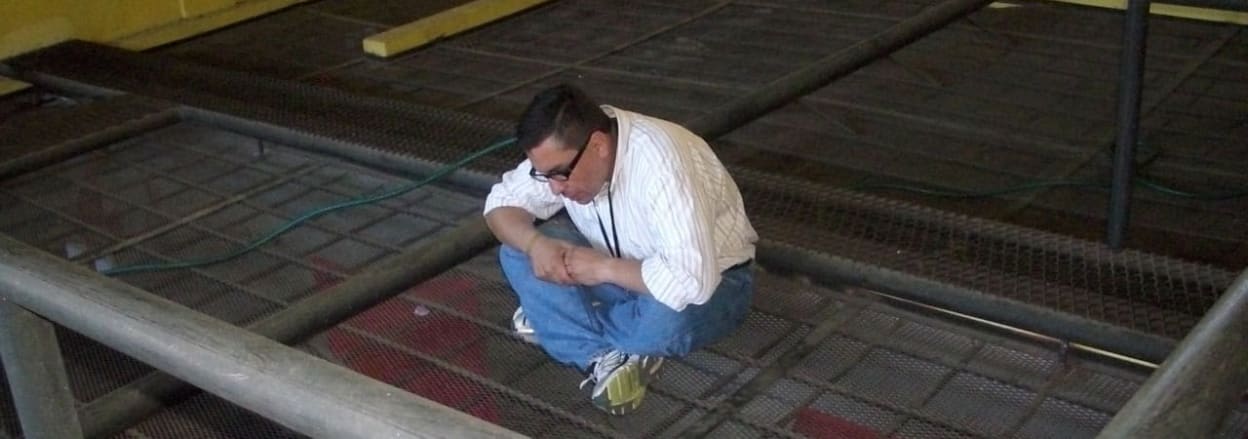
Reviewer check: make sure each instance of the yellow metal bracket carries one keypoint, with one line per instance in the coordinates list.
(445, 23)
(1194, 13)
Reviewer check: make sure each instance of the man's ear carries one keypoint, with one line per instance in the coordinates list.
(604, 139)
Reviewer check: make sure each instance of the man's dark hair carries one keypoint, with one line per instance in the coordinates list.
(564, 111)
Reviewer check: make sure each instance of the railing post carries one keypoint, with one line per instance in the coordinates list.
(1131, 73)
(36, 373)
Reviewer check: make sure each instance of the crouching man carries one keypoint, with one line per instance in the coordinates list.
(659, 263)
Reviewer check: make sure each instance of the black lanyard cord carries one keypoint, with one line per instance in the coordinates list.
(615, 250)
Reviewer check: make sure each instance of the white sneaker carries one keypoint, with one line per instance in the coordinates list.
(520, 324)
(620, 380)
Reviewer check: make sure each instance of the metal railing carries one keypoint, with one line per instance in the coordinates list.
(1201, 381)
(281, 383)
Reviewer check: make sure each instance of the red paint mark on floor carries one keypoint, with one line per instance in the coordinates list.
(817, 424)
(437, 334)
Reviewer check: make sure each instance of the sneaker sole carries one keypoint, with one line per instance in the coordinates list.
(624, 394)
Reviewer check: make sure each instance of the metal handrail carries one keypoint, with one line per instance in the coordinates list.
(1200, 383)
(293, 388)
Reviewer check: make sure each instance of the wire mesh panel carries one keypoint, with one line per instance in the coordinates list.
(208, 417)
(192, 193)
(881, 371)
(1135, 290)
(54, 119)
(1148, 293)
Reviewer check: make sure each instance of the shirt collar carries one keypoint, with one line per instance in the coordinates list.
(623, 124)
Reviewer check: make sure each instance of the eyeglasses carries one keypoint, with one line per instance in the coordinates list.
(565, 172)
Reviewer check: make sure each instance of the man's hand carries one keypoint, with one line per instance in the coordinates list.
(587, 266)
(546, 255)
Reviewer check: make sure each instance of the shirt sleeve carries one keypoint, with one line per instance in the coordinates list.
(683, 268)
(518, 189)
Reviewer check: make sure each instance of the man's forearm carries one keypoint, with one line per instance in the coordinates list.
(512, 226)
(626, 273)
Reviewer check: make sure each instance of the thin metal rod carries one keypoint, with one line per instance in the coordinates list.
(843, 62)
(834, 270)
(119, 409)
(1200, 383)
(1130, 79)
(36, 373)
(303, 393)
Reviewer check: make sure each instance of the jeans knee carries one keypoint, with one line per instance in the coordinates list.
(673, 345)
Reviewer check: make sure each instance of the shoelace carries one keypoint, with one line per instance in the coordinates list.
(603, 366)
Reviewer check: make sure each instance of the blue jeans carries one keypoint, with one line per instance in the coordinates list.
(575, 323)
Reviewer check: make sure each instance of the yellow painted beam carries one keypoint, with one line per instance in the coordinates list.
(204, 22)
(442, 24)
(193, 8)
(9, 86)
(27, 25)
(1194, 13)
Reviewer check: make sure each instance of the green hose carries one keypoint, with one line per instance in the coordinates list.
(313, 214)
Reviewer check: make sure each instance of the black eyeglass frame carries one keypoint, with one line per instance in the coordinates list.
(565, 173)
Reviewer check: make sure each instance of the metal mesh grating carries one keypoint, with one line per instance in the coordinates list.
(208, 417)
(404, 129)
(1148, 293)
(1060, 419)
(523, 394)
(187, 192)
(35, 129)
(1135, 290)
(982, 405)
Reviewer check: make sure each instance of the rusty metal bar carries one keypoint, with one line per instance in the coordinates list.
(36, 373)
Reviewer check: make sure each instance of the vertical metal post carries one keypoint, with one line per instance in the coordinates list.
(36, 373)
(1199, 384)
(1131, 72)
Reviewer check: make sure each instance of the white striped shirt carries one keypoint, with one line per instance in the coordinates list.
(676, 208)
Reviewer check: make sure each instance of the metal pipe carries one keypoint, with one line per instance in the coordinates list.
(99, 139)
(64, 85)
(36, 373)
(825, 70)
(374, 157)
(1130, 78)
(301, 392)
(1200, 383)
(116, 411)
(836, 270)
